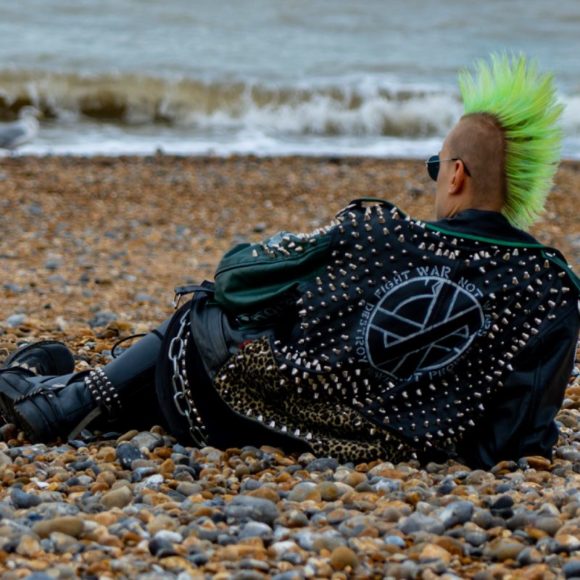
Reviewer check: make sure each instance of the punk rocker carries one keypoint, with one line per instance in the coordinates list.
(378, 336)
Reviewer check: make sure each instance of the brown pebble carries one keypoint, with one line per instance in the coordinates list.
(127, 436)
(119, 497)
(265, 493)
(342, 557)
(355, 478)
(502, 549)
(329, 491)
(69, 525)
(107, 454)
(29, 546)
(539, 463)
(432, 552)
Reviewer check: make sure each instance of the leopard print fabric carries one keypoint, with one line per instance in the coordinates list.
(252, 384)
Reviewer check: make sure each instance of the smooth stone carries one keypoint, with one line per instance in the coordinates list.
(394, 541)
(102, 318)
(127, 453)
(538, 462)
(476, 538)
(148, 440)
(29, 546)
(4, 459)
(279, 549)
(503, 549)
(70, 525)
(244, 508)
(566, 543)
(151, 482)
(188, 488)
(482, 518)
(502, 502)
(303, 491)
(571, 569)
(457, 512)
(343, 557)
(117, 498)
(15, 320)
(381, 484)
(519, 521)
(418, 522)
(431, 552)
(322, 464)
(169, 536)
(256, 530)
(23, 500)
(161, 548)
(294, 519)
(329, 491)
(548, 524)
(63, 543)
(529, 556)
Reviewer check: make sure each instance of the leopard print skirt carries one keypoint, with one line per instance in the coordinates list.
(252, 384)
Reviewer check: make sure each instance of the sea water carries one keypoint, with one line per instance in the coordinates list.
(267, 77)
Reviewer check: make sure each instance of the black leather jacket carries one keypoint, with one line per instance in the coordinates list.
(520, 420)
(475, 397)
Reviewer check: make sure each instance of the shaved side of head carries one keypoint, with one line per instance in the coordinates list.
(478, 139)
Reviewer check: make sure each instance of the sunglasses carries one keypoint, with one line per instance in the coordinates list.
(433, 164)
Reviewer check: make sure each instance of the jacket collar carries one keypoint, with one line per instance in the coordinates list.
(484, 224)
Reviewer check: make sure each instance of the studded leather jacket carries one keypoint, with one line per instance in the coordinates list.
(451, 338)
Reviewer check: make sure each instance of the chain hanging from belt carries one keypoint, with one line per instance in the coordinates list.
(181, 390)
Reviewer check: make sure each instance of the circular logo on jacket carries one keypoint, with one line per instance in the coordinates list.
(421, 325)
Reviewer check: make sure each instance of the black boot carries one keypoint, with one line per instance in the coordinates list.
(47, 408)
(51, 408)
(47, 357)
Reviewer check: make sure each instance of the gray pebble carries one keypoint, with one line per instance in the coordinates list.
(548, 524)
(394, 541)
(419, 522)
(571, 569)
(15, 320)
(529, 556)
(301, 491)
(168, 536)
(457, 512)
(127, 453)
(245, 508)
(476, 538)
(322, 464)
(148, 440)
(22, 500)
(102, 318)
(161, 548)
(256, 530)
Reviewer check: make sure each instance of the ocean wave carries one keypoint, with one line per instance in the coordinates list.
(360, 108)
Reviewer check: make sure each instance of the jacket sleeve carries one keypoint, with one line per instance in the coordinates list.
(520, 419)
(253, 276)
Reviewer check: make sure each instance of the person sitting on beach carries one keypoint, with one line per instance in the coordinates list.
(379, 336)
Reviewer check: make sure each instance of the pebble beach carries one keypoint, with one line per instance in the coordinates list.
(90, 250)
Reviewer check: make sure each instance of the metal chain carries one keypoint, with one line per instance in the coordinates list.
(182, 398)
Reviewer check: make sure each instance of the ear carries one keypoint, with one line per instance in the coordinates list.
(457, 182)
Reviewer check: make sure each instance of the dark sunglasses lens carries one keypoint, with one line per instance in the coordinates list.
(433, 167)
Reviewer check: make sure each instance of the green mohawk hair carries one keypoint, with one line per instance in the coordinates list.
(524, 103)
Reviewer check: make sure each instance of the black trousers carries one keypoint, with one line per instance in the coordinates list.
(144, 374)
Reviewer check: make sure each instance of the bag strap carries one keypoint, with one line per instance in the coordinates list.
(205, 287)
